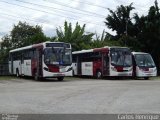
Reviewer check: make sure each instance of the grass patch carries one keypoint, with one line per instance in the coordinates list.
(7, 77)
(155, 78)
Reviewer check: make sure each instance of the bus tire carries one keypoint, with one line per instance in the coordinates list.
(60, 78)
(17, 73)
(146, 78)
(98, 74)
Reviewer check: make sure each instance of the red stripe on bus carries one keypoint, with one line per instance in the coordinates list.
(53, 68)
(119, 68)
(101, 50)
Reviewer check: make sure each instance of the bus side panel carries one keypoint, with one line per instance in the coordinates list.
(27, 68)
(87, 68)
(97, 66)
(16, 66)
(74, 66)
(33, 66)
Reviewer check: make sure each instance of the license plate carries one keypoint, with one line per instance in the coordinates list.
(125, 68)
(58, 75)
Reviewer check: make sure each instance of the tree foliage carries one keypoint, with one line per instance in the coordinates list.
(21, 35)
(143, 32)
(77, 36)
(24, 34)
(104, 40)
(120, 19)
(149, 32)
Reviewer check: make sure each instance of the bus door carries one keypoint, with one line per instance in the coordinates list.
(22, 65)
(105, 64)
(11, 64)
(79, 65)
(39, 62)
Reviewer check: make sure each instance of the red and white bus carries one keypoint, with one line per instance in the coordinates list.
(143, 65)
(106, 61)
(43, 60)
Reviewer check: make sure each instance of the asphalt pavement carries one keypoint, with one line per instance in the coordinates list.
(79, 95)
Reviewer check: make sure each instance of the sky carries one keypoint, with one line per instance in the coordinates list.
(51, 14)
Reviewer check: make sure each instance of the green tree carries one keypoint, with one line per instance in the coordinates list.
(143, 34)
(148, 34)
(5, 47)
(120, 20)
(104, 40)
(6, 42)
(21, 35)
(77, 37)
(24, 34)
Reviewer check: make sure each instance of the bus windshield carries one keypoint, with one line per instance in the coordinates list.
(57, 56)
(121, 57)
(144, 60)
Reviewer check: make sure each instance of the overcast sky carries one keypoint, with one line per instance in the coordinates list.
(52, 13)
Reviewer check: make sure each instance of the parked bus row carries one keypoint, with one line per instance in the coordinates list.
(56, 59)
(113, 61)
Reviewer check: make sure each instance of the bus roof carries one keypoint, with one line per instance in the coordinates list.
(114, 47)
(22, 48)
(32, 46)
(135, 53)
(82, 51)
(105, 48)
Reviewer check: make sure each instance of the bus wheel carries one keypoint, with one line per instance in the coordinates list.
(146, 78)
(17, 73)
(99, 74)
(60, 78)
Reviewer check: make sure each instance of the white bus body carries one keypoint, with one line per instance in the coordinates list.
(144, 65)
(106, 61)
(44, 60)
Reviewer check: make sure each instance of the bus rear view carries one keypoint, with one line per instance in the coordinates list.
(144, 65)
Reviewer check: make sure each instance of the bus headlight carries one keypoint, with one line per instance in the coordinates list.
(69, 69)
(46, 69)
(130, 69)
(155, 70)
(114, 69)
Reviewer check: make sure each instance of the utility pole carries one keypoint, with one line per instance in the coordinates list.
(126, 29)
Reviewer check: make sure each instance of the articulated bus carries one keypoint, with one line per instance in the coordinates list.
(43, 60)
(106, 61)
(143, 65)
